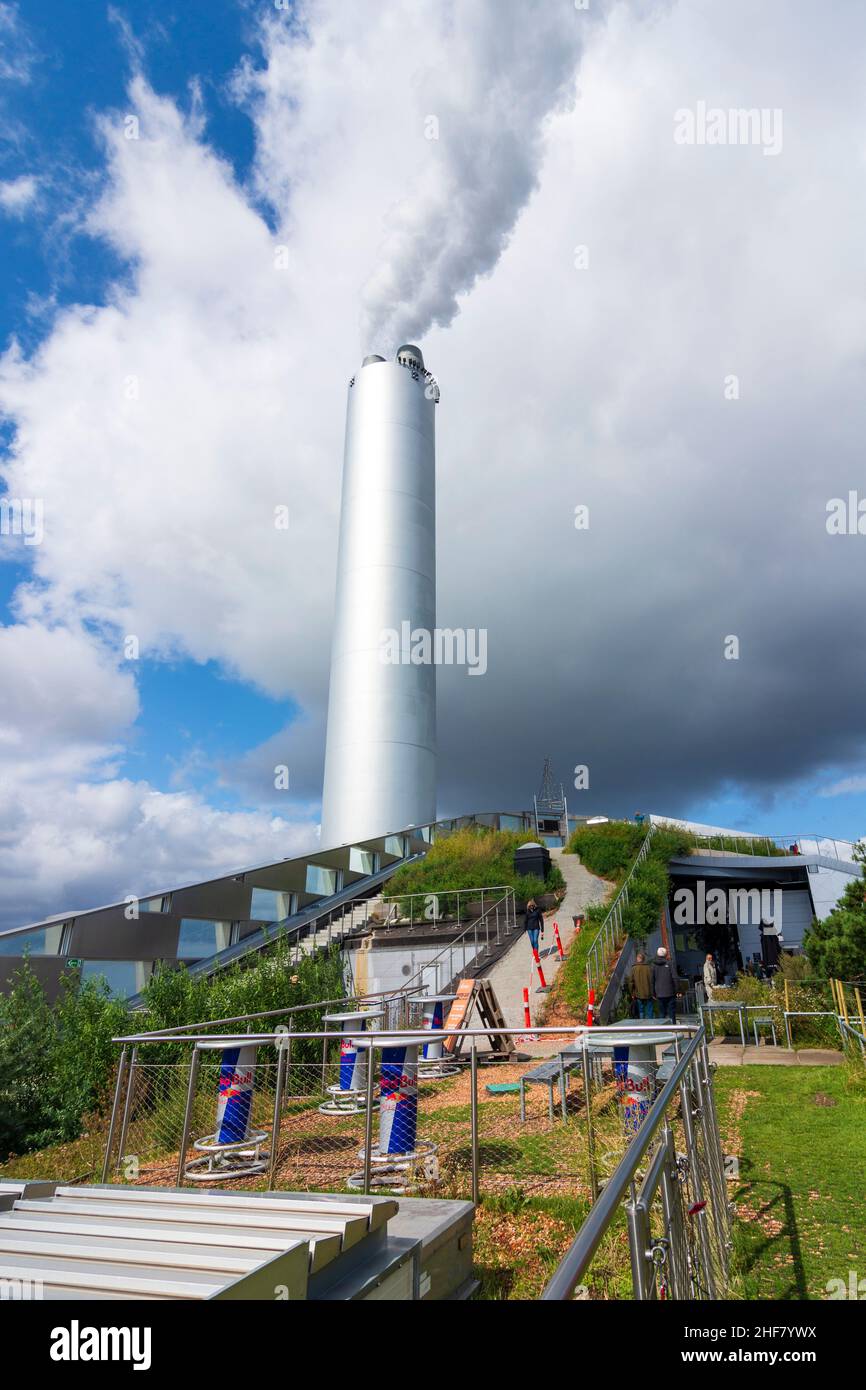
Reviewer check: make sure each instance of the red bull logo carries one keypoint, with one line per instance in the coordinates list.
(235, 1094)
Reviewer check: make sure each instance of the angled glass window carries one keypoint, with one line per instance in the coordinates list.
(160, 904)
(198, 938)
(362, 861)
(394, 845)
(123, 977)
(44, 941)
(320, 880)
(270, 905)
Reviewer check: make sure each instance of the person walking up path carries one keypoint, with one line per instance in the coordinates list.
(534, 924)
(666, 985)
(510, 973)
(640, 986)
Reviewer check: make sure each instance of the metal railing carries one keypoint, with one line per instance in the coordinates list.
(678, 1217)
(471, 1139)
(823, 846)
(435, 907)
(611, 934)
(487, 932)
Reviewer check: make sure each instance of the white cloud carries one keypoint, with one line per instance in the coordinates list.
(846, 786)
(18, 195)
(162, 429)
(77, 844)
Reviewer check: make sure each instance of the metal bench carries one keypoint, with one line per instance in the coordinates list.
(765, 1021)
(548, 1074)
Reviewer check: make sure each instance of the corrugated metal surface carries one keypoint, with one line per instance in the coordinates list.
(112, 1242)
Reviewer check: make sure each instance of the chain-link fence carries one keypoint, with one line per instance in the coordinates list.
(669, 1186)
(438, 1114)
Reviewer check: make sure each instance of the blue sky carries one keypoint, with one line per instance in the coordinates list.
(154, 262)
(194, 717)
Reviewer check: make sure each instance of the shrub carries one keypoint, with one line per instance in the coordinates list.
(475, 857)
(56, 1061)
(174, 996)
(804, 998)
(837, 946)
(607, 850)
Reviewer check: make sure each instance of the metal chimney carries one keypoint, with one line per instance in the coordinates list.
(380, 756)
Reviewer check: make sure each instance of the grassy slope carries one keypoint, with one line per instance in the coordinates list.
(799, 1197)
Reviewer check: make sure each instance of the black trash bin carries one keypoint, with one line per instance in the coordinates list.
(532, 858)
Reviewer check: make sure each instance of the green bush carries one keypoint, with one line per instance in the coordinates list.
(56, 1062)
(475, 857)
(607, 850)
(837, 946)
(803, 998)
(174, 997)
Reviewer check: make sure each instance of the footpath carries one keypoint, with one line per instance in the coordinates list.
(515, 971)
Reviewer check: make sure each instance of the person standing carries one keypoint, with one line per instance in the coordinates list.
(640, 986)
(534, 923)
(666, 985)
(711, 979)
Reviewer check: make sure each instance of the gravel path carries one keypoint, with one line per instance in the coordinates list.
(515, 970)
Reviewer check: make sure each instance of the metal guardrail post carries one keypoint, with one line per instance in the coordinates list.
(473, 1071)
(697, 1178)
(282, 1067)
(109, 1142)
(638, 1242)
(672, 1209)
(590, 1136)
(130, 1086)
(570, 1271)
(195, 1061)
(324, 1057)
(712, 1160)
(368, 1118)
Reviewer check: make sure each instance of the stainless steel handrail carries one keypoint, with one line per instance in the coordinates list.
(568, 1274)
(610, 931)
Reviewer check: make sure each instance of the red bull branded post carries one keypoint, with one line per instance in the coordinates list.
(235, 1097)
(398, 1159)
(349, 1095)
(434, 1062)
(398, 1098)
(234, 1149)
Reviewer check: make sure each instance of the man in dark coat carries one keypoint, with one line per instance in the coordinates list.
(666, 985)
(640, 986)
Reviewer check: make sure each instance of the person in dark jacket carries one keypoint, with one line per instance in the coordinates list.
(534, 923)
(666, 985)
(640, 986)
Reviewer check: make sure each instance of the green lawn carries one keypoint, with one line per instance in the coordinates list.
(800, 1133)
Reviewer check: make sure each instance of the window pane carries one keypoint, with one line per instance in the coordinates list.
(394, 845)
(320, 880)
(159, 904)
(361, 861)
(45, 941)
(270, 905)
(197, 938)
(123, 977)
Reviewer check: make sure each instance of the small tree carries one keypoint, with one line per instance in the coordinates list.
(837, 946)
